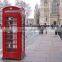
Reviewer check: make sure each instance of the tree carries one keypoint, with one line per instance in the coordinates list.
(2, 5)
(25, 6)
(6, 3)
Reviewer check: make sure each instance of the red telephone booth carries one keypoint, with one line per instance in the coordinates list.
(13, 24)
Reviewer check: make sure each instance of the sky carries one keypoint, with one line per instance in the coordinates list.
(32, 4)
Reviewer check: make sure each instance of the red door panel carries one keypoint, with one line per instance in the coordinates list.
(12, 33)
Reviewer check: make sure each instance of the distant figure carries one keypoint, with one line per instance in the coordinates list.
(41, 30)
(61, 25)
(46, 30)
(45, 25)
(0, 26)
(52, 26)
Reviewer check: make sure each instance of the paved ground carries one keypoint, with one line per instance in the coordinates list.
(43, 48)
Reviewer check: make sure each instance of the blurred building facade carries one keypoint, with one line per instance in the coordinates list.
(50, 12)
(36, 15)
(44, 12)
(41, 18)
(60, 12)
(55, 12)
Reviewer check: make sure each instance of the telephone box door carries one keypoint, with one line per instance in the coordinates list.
(12, 33)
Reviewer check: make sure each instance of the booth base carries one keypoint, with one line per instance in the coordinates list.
(22, 57)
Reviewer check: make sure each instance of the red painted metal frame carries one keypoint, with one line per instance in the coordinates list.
(19, 52)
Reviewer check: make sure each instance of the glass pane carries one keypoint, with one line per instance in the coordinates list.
(11, 35)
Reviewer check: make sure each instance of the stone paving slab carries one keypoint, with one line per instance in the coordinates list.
(45, 48)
